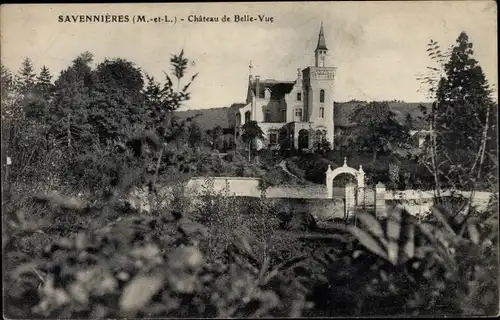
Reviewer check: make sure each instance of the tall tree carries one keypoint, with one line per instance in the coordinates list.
(464, 98)
(8, 93)
(26, 77)
(153, 100)
(376, 129)
(463, 117)
(251, 132)
(71, 102)
(161, 102)
(116, 99)
(44, 84)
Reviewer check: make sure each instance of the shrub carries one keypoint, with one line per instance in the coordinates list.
(399, 266)
(313, 165)
(137, 266)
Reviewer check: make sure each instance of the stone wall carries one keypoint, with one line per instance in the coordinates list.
(237, 186)
(313, 199)
(321, 209)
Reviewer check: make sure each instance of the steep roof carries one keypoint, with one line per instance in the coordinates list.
(212, 117)
(342, 111)
(321, 39)
(278, 88)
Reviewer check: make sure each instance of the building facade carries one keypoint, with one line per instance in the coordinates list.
(301, 112)
(296, 113)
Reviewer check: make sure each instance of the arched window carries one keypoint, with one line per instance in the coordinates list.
(247, 116)
(321, 112)
(238, 119)
(322, 95)
(303, 139)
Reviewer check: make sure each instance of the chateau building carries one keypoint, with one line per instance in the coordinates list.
(300, 110)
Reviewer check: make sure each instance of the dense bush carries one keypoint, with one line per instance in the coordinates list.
(410, 175)
(139, 266)
(310, 166)
(231, 257)
(401, 267)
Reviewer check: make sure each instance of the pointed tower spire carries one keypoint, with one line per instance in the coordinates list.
(321, 39)
(321, 50)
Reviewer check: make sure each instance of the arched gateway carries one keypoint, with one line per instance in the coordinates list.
(358, 174)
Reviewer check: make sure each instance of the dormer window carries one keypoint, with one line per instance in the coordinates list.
(267, 93)
(299, 96)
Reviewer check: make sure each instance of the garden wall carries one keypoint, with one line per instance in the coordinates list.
(311, 199)
(249, 187)
(321, 209)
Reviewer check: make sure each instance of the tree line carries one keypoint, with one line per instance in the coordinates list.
(86, 117)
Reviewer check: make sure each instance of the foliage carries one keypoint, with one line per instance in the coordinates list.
(397, 266)
(44, 84)
(409, 121)
(377, 129)
(460, 152)
(453, 264)
(98, 133)
(251, 132)
(68, 112)
(196, 137)
(216, 138)
(116, 89)
(26, 77)
(322, 146)
(137, 266)
(311, 167)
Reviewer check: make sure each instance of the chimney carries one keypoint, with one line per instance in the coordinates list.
(257, 86)
(257, 96)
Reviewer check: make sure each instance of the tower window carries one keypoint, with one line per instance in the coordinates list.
(299, 96)
(321, 112)
(298, 114)
(322, 96)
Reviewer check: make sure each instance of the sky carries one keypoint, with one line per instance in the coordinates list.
(378, 47)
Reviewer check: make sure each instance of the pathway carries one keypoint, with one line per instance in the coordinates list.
(282, 165)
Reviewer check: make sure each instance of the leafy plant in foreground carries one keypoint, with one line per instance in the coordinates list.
(452, 265)
(138, 266)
